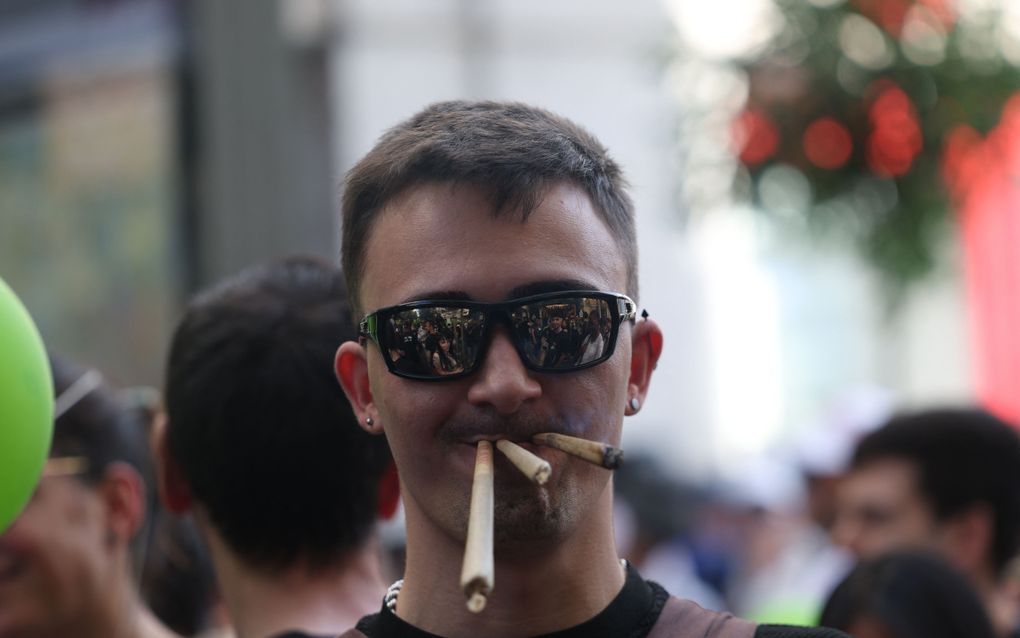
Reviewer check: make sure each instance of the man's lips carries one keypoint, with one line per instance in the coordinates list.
(519, 428)
(516, 438)
(525, 441)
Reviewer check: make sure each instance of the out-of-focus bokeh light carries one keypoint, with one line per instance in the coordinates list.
(968, 157)
(895, 138)
(924, 37)
(1009, 32)
(863, 42)
(827, 143)
(725, 28)
(784, 190)
(755, 137)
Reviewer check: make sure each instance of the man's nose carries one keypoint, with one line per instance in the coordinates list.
(503, 382)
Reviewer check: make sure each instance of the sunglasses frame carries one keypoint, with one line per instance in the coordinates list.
(621, 308)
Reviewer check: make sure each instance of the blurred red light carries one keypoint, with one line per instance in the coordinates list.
(943, 10)
(961, 161)
(889, 14)
(895, 139)
(827, 143)
(756, 137)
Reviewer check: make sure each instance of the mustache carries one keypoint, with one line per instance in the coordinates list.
(516, 427)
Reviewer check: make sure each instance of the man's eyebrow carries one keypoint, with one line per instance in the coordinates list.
(556, 285)
(451, 295)
(525, 290)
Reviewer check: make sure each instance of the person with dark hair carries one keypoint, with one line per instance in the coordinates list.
(943, 479)
(557, 341)
(443, 361)
(69, 563)
(544, 223)
(907, 594)
(261, 445)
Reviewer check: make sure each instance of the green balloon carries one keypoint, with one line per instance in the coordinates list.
(26, 406)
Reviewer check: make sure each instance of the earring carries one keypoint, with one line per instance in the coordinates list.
(635, 404)
(369, 421)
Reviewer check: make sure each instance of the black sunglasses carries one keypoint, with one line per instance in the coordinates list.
(435, 340)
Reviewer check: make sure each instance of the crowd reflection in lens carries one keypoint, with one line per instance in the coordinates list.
(441, 341)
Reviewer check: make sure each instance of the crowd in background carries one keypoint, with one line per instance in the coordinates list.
(912, 532)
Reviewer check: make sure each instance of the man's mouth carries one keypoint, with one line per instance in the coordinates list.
(519, 439)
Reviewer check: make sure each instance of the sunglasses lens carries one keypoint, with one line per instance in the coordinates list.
(432, 342)
(563, 333)
(551, 334)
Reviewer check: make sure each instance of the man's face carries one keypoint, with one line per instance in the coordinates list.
(880, 508)
(556, 323)
(438, 240)
(53, 560)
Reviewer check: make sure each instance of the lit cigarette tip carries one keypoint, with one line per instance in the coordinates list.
(594, 452)
(613, 458)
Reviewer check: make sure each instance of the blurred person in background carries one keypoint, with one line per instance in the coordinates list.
(907, 594)
(797, 565)
(178, 581)
(946, 480)
(655, 515)
(785, 565)
(261, 445)
(69, 562)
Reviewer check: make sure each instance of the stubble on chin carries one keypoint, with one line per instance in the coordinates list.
(526, 516)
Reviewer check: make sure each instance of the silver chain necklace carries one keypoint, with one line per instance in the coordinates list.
(390, 599)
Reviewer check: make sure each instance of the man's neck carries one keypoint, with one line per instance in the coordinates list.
(326, 601)
(551, 589)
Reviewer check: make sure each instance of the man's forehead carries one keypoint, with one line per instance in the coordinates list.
(890, 476)
(443, 238)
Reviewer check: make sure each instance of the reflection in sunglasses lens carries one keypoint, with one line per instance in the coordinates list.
(551, 334)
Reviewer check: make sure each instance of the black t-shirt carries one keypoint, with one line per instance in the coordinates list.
(559, 348)
(632, 614)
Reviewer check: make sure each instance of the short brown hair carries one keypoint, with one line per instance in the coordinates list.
(513, 150)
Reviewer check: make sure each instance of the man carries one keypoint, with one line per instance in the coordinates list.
(69, 562)
(946, 480)
(591, 345)
(488, 214)
(557, 343)
(261, 446)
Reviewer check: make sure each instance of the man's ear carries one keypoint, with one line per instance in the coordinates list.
(967, 538)
(645, 351)
(351, 367)
(173, 489)
(122, 491)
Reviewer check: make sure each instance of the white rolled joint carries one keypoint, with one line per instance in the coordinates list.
(534, 467)
(476, 575)
(594, 452)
